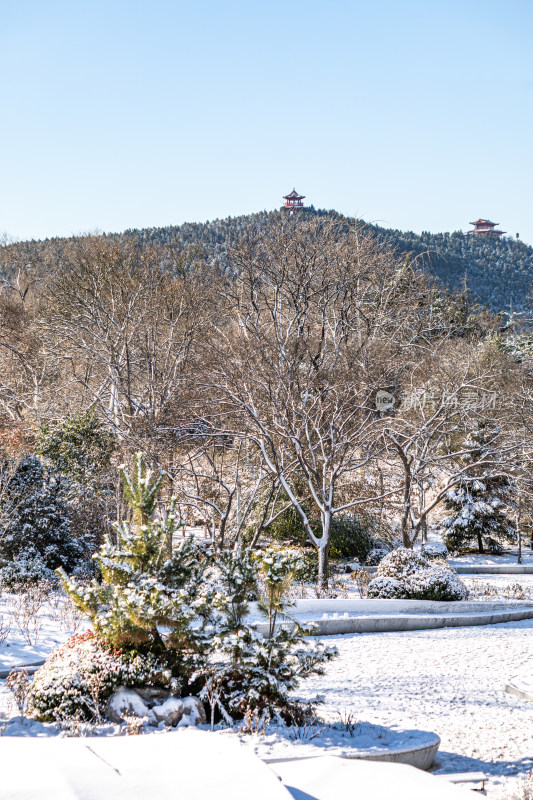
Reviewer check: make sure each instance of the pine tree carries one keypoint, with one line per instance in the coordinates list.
(80, 448)
(151, 591)
(255, 671)
(479, 504)
(36, 526)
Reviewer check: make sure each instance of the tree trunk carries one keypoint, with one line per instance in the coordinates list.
(323, 559)
(480, 542)
(519, 529)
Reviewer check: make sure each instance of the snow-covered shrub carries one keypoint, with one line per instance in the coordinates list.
(408, 575)
(385, 588)
(401, 563)
(375, 556)
(80, 676)
(306, 562)
(436, 583)
(26, 571)
(434, 550)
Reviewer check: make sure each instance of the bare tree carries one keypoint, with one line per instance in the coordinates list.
(445, 394)
(121, 328)
(319, 318)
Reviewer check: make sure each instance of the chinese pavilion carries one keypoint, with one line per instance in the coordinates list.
(293, 201)
(485, 226)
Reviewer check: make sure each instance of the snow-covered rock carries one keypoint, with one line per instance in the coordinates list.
(194, 713)
(127, 703)
(171, 711)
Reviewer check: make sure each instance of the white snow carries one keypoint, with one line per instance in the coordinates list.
(331, 778)
(509, 557)
(307, 741)
(448, 681)
(187, 763)
(55, 624)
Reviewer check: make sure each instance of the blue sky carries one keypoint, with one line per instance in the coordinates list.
(414, 115)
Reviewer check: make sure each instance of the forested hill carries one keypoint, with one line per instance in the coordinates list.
(498, 272)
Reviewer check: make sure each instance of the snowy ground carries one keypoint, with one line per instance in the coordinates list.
(448, 681)
(33, 626)
(508, 586)
(509, 557)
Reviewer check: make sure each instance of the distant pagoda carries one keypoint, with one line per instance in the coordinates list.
(293, 201)
(484, 227)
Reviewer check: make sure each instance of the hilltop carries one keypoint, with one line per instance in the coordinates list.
(498, 272)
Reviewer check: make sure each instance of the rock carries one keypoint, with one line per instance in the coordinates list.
(156, 705)
(127, 703)
(170, 712)
(152, 695)
(194, 712)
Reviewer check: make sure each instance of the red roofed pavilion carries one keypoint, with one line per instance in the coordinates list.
(484, 226)
(293, 201)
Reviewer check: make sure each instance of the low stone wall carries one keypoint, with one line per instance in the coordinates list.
(334, 617)
(492, 569)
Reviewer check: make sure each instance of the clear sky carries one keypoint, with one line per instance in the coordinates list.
(127, 114)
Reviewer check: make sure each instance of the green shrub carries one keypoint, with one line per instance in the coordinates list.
(351, 537)
(82, 674)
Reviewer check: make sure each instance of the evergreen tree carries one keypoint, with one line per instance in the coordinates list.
(36, 527)
(80, 448)
(151, 591)
(255, 670)
(479, 504)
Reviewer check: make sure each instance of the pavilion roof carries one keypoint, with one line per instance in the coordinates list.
(485, 222)
(293, 196)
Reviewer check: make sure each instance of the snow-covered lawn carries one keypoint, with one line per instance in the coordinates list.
(508, 558)
(449, 681)
(508, 586)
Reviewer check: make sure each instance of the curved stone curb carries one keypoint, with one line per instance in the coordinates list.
(30, 668)
(409, 622)
(524, 692)
(420, 756)
(492, 569)
(480, 569)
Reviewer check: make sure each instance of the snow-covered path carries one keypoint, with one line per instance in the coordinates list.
(449, 681)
